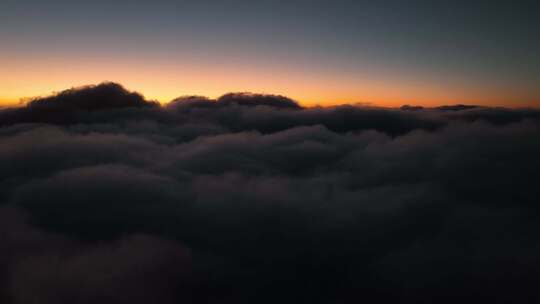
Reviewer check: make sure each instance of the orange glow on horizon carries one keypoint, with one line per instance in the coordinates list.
(307, 99)
(166, 80)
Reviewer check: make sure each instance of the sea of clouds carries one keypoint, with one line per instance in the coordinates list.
(106, 197)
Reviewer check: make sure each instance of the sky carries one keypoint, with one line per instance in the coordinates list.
(384, 53)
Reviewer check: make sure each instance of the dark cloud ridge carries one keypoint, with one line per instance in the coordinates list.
(110, 102)
(107, 197)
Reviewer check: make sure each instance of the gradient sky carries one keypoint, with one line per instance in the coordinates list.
(319, 52)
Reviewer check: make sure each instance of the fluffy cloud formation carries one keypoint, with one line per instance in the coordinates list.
(44, 267)
(252, 198)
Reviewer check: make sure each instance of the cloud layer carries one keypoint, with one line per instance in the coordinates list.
(254, 199)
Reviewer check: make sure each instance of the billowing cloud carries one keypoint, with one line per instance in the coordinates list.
(45, 267)
(104, 96)
(252, 198)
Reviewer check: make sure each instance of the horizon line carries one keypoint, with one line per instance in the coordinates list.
(15, 102)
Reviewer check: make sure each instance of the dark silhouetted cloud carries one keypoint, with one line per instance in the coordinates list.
(104, 96)
(66, 106)
(458, 107)
(247, 99)
(254, 199)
